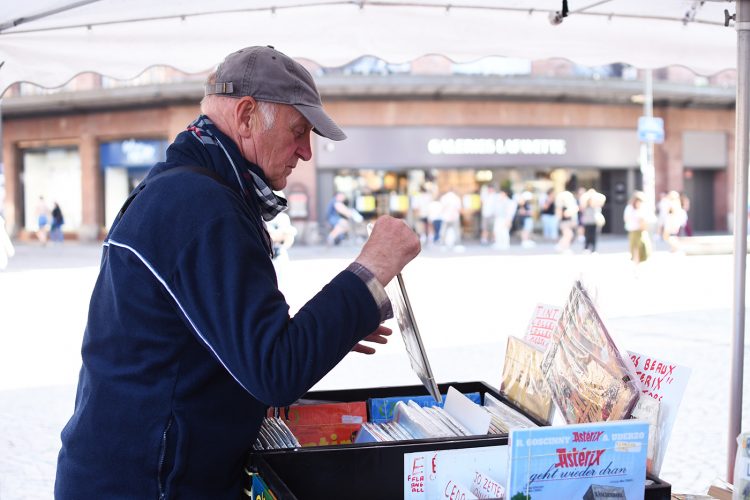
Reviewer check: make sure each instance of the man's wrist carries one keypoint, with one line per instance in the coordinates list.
(375, 287)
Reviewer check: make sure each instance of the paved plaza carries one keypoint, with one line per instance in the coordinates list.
(467, 302)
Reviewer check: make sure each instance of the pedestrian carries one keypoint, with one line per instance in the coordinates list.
(636, 220)
(687, 228)
(525, 213)
(674, 220)
(55, 231)
(420, 203)
(435, 221)
(338, 216)
(662, 207)
(42, 219)
(550, 230)
(451, 217)
(189, 339)
(566, 206)
(6, 246)
(579, 225)
(489, 198)
(282, 234)
(505, 211)
(592, 218)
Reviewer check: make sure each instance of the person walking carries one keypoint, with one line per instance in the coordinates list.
(636, 221)
(592, 218)
(435, 221)
(525, 214)
(42, 220)
(489, 199)
(451, 204)
(675, 218)
(6, 246)
(550, 231)
(189, 339)
(505, 211)
(55, 231)
(566, 206)
(338, 215)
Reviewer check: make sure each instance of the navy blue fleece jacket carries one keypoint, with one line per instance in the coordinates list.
(189, 340)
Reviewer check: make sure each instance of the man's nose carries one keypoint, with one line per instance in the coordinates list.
(304, 150)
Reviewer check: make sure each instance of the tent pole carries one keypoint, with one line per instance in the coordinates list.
(742, 114)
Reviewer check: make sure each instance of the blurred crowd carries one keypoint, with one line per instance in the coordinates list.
(500, 218)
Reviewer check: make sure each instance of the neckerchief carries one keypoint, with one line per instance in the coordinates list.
(271, 205)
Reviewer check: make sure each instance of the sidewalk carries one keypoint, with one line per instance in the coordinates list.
(467, 303)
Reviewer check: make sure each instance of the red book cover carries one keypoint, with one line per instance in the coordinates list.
(324, 424)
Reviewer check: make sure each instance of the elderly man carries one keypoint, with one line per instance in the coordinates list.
(188, 338)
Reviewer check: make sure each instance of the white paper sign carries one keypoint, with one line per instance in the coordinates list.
(464, 471)
(543, 324)
(665, 382)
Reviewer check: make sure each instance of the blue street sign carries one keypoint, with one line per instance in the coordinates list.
(651, 129)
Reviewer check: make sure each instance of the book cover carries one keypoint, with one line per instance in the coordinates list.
(324, 424)
(586, 373)
(381, 409)
(578, 461)
(323, 413)
(523, 381)
(259, 489)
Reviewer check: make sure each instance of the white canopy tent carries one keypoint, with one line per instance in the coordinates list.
(48, 42)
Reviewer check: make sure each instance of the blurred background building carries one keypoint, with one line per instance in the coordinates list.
(432, 124)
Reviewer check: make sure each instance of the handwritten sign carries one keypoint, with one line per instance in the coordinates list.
(415, 478)
(665, 382)
(543, 324)
(455, 473)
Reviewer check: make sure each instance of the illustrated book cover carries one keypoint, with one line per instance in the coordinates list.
(578, 461)
(586, 373)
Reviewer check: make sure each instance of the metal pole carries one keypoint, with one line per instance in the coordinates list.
(742, 112)
(648, 173)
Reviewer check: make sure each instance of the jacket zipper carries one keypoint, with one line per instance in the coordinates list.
(162, 457)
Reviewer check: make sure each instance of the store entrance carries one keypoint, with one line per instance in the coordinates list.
(699, 188)
(118, 183)
(405, 193)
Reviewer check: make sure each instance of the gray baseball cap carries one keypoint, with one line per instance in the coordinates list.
(266, 74)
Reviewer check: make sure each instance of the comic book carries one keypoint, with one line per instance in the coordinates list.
(523, 381)
(586, 373)
(579, 461)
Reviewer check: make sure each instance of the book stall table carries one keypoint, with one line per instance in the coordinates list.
(373, 470)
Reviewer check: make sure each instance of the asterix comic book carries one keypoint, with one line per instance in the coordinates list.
(550, 463)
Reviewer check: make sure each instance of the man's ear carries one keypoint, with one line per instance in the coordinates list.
(245, 116)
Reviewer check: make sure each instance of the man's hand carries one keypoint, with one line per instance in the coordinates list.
(391, 245)
(379, 336)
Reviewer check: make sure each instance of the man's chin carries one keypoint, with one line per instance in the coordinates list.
(278, 185)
